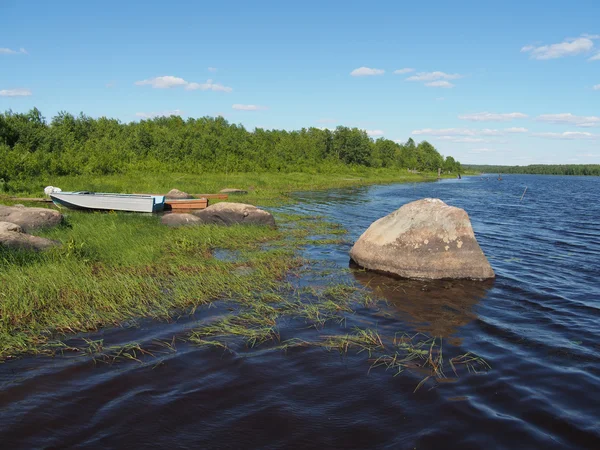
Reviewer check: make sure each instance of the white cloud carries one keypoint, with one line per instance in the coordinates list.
(516, 130)
(19, 92)
(492, 117)
(439, 99)
(570, 119)
(440, 83)
(208, 86)
(150, 115)
(463, 140)
(9, 51)
(375, 132)
(110, 85)
(366, 71)
(459, 135)
(212, 69)
(164, 82)
(596, 88)
(569, 47)
(569, 135)
(482, 150)
(403, 71)
(457, 132)
(596, 57)
(433, 76)
(239, 107)
(168, 81)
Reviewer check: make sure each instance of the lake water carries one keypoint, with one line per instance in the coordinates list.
(537, 325)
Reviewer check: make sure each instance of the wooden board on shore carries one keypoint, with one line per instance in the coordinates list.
(29, 199)
(186, 204)
(215, 196)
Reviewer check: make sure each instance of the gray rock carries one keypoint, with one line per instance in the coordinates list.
(233, 191)
(226, 213)
(175, 194)
(30, 218)
(12, 227)
(425, 239)
(180, 220)
(16, 240)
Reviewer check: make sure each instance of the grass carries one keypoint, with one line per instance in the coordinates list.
(267, 189)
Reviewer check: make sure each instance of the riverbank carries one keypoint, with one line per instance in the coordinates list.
(116, 267)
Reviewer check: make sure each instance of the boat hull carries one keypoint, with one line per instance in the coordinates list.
(108, 202)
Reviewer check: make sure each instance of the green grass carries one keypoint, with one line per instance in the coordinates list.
(264, 188)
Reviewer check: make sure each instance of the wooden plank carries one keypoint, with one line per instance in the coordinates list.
(29, 199)
(185, 204)
(217, 196)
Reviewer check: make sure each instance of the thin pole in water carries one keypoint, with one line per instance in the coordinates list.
(523, 194)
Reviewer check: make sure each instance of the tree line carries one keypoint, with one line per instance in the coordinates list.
(31, 146)
(540, 169)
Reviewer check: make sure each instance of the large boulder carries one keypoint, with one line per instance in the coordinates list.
(30, 218)
(226, 213)
(425, 239)
(8, 226)
(176, 194)
(180, 220)
(12, 236)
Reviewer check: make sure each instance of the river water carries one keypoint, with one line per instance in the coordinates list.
(537, 325)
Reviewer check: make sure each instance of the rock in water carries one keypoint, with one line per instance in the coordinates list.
(424, 239)
(226, 213)
(176, 194)
(180, 220)
(30, 218)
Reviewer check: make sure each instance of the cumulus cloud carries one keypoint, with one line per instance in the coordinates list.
(569, 47)
(150, 115)
(164, 82)
(567, 135)
(375, 132)
(240, 107)
(433, 76)
(459, 135)
(366, 71)
(457, 132)
(492, 117)
(169, 81)
(19, 92)
(570, 119)
(403, 71)
(596, 57)
(516, 130)
(440, 83)
(9, 51)
(482, 150)
(208, 86)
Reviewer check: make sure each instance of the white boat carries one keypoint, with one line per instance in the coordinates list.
(109, 202)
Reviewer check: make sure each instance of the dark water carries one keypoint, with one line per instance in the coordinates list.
(537, 325)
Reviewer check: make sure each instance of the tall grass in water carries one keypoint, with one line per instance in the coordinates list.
(112, 267)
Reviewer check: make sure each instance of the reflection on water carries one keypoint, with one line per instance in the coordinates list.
(434, 307)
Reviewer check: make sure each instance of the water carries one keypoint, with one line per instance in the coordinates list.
(537, 325)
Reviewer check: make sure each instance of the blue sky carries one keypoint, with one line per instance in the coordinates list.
(508, 82)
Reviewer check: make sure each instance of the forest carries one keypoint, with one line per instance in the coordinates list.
(540, 169)
(31, 146)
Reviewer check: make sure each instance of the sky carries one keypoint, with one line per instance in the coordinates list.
(504, 82)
